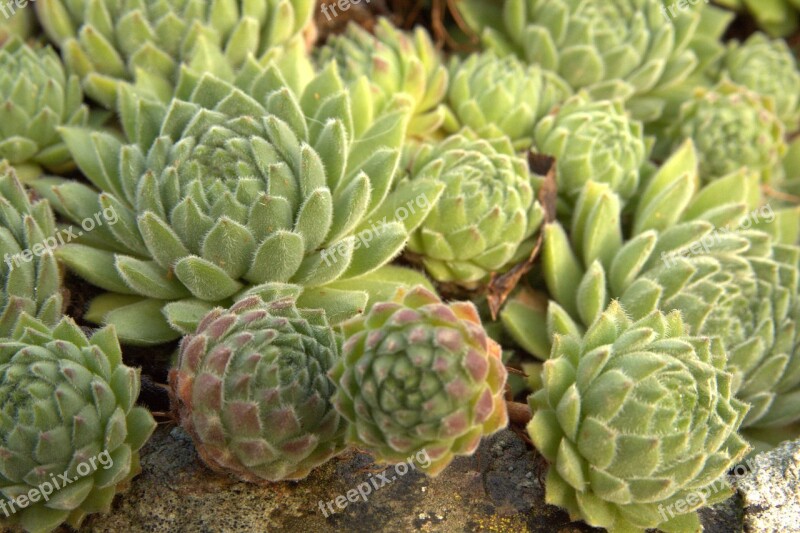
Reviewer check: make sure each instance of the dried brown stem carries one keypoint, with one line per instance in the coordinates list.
(786, 197)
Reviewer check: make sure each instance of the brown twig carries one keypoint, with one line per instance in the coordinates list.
(780, 195)
(516, 371)
(473, 37)
(500, 287)
(413, 15)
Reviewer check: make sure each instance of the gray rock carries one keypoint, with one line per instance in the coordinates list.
(175, 492)
(499, 489)
(771, 490)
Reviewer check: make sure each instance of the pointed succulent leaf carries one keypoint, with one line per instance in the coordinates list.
(68, 408)
(485, 217)
(495, 96)
(30, 278)
(627, 49)
(110, 45)
(37, 97)
(767, 66)
(592, 140)
(614, 419)
(253, 392)
(394, 62)
(444, 354)
(732, 128)
(239, 184)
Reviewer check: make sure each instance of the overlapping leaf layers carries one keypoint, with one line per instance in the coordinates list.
(30, 280)
(732, 128)
(66, 413)
(768, 67)
(109, 42)
(486, 218)
(497, 96)
(417, 375)
(394, 61)
(228, 190)
(253, 391)
(624, 49)
(689, 250)
(637, 420)
(592, 140)
(791, 173)
(36, 97)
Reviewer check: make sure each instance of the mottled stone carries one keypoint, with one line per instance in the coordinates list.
(771, 491)
(499, 490)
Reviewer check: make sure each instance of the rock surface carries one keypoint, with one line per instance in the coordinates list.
(771, 491)
(497, 490)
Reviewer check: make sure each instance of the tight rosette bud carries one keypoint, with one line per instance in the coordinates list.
(69, 430)
(732, 128)
(30, 279)
(107, 43)
(253, 392)
(230, 188)
(394, 61)
(593, 141)
(486, 218)
(36, 98)
(768, 67)
(636, 419)
(416, 375)
(501, 96)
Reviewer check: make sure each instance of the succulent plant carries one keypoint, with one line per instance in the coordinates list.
(501, 96)
(625, 49)
(776, 17)
(106, 43)
(487, 216)
(36, 97)
(30, 279)
(394, 61)
(638, 422)
(732, 128)
(252, 390)
(592, 140)
(590, 259)
(69, 431)
(210, 190)
(768, 67)
(416, 375)
(791, 168)
(690, 251)
(16, 23)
